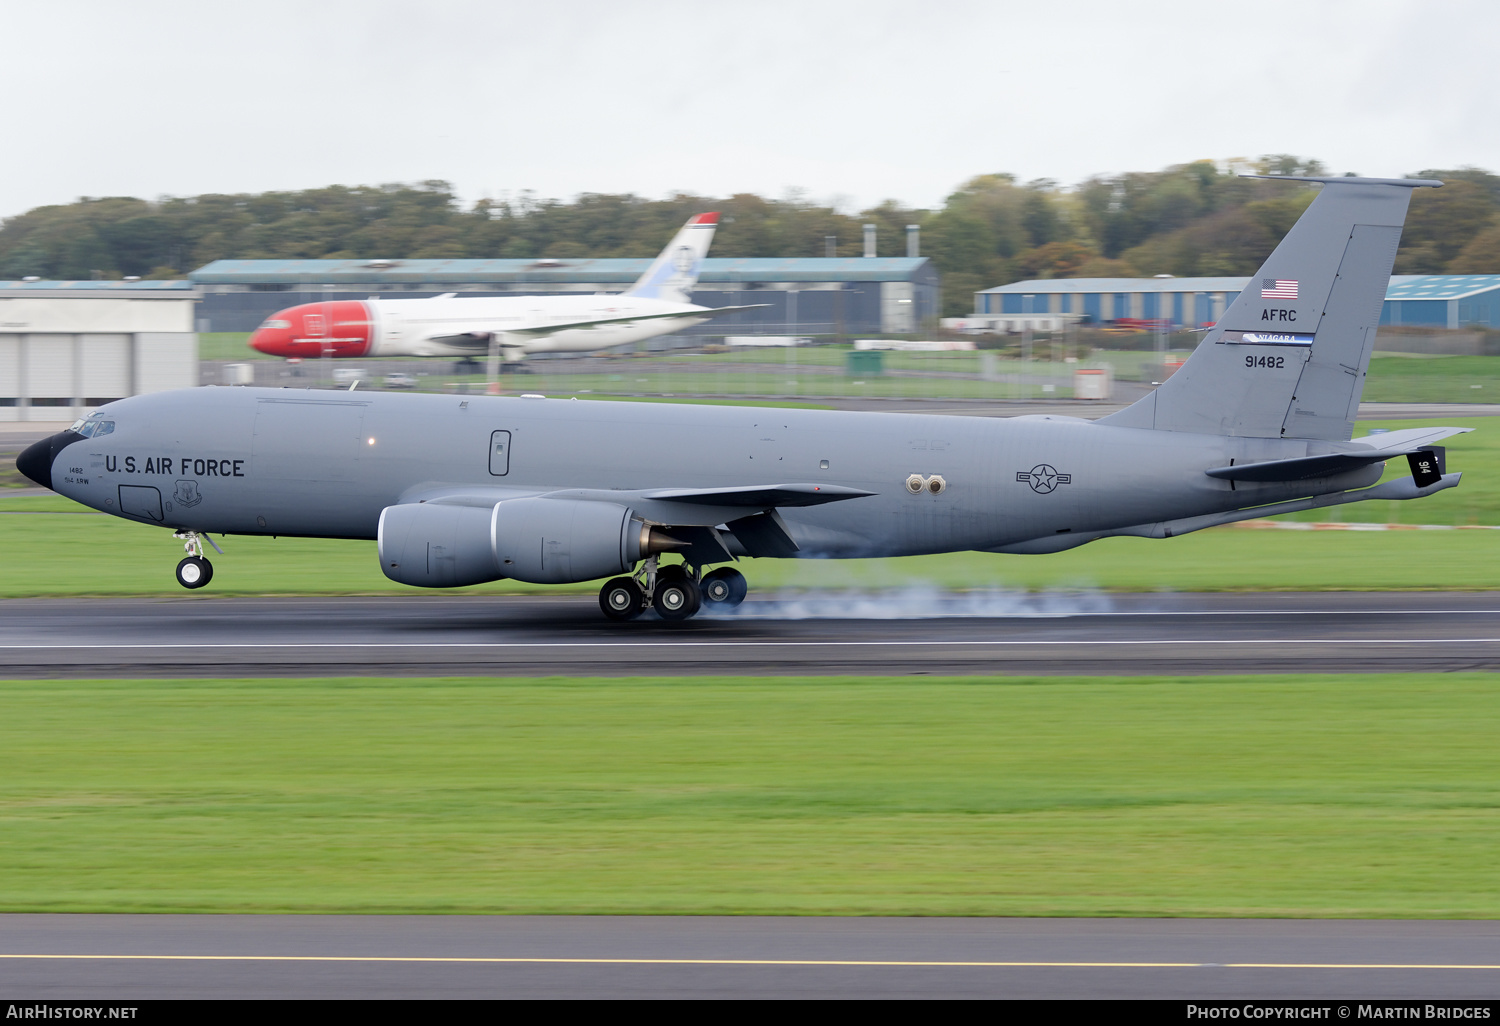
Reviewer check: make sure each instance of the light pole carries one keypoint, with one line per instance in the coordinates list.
(326, 335)
(791, 349)
(1025, 342)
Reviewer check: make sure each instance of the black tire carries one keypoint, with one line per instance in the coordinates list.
(194, 572)
(672, 572)
(622, 599)
(725, 587)
(677, 599)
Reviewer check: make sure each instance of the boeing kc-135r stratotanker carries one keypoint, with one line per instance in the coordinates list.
(460, 490)
(515, 325)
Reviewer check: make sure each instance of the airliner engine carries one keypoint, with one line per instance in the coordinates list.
(538, 540)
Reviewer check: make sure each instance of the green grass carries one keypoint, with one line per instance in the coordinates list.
(1268, 796)
(228, 345)
(1433, 379)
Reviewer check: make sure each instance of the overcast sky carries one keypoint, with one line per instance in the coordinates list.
(847, 101)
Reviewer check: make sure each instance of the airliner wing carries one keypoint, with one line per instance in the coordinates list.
(516, 337)
(696, 313)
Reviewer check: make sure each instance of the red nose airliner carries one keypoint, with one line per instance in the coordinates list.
(450, 326)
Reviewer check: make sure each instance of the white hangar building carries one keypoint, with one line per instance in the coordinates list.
(68, 346)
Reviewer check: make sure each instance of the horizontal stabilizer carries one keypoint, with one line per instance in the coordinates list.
(1408, 439)
(759, 496)
(1304, 468)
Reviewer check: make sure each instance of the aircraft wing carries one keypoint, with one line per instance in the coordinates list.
(715, 311)
(1376, 449)
(711, 524)
(762, 496)
(517, 337)
(696, 314)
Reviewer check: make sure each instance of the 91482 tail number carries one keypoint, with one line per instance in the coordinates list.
(1269, 362)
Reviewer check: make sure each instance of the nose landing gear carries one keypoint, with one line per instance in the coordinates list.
(195, 571)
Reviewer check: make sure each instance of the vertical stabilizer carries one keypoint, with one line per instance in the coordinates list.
(673, 274)
(1289, 356)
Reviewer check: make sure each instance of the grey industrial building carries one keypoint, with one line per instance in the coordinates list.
(811, 296)
(1412, 300)
(67, 346)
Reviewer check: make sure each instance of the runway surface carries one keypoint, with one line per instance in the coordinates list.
(819, 633)
(127, 957)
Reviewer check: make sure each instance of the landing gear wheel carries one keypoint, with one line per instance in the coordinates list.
(622, 599)
(194, 572)
(671, 572)
(677, 599)
(725, 587)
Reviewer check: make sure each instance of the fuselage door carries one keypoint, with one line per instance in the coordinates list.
(500, 453)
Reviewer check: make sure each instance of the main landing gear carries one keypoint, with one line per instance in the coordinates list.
(195, 571)
(676, 591)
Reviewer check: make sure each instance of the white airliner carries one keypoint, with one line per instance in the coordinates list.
(451, 326)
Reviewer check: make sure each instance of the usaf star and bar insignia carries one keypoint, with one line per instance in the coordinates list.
(1043, 478)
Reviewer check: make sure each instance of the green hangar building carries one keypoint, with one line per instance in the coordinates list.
(1412, 300)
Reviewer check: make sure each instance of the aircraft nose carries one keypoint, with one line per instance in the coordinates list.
(275, 334)
(37, 459)
(273, 341)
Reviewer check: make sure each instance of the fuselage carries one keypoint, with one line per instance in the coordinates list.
(453, 326)
(322, 463)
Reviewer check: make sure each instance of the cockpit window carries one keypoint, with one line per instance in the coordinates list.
(92, 428)
(276, 324)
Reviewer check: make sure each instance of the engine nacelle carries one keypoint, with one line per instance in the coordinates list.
(560, 541)
(538, 540)
(435, 546)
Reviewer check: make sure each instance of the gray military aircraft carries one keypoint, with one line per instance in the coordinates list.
(460, 490)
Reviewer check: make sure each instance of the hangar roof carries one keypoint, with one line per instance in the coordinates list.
(96, 286)
(1402, 286)
(1050, 285)
(561, 271)
(1440, 286)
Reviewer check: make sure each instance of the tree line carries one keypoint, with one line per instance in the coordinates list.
(1192, 219)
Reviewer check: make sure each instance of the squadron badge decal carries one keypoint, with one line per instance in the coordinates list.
(187, 494)
(1043, 478)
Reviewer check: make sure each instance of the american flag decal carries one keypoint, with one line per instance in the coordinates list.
(1277, 288)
